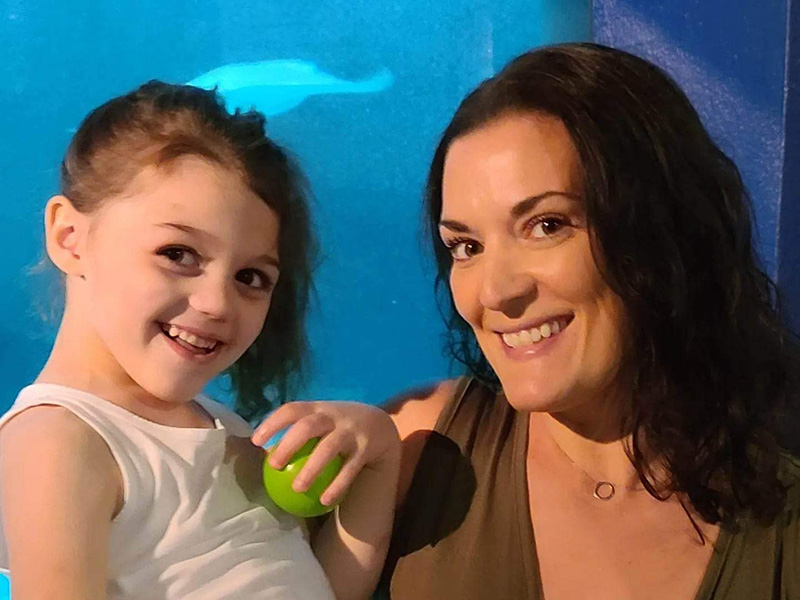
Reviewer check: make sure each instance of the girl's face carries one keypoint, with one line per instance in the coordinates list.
(177, 278)
(523, 275)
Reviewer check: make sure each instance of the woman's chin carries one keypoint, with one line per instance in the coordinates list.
(532, 398)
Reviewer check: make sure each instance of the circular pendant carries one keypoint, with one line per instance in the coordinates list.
(604, 490)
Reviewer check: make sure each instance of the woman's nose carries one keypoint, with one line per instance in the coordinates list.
(508, 285)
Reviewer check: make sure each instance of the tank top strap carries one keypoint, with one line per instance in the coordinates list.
(464, 529)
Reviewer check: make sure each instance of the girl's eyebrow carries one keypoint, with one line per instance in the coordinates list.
(185, 228)
(268, 259)
(264, 258)
(520, 208)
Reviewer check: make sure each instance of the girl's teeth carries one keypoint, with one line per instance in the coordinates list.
(190, 338)
(533, 335)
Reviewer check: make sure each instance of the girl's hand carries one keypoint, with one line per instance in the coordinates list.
(364, 435)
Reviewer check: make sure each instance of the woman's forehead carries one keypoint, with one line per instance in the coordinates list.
(508, 160)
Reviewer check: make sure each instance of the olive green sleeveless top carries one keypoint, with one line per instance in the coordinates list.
(464, 530)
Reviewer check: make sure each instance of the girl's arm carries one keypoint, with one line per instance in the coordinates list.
(59, 488)
(351, 544)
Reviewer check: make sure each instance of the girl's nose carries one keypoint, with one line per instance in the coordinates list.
(212, 296)
(507, 285)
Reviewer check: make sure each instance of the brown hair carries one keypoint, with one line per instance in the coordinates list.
(671, 221)
(158, 123)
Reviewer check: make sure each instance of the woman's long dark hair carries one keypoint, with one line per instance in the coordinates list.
(670, 217)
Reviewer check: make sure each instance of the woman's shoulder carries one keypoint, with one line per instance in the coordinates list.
(418, 409)
(789, 474)
(415, 413)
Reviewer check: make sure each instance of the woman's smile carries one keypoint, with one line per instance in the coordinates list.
(528, 341)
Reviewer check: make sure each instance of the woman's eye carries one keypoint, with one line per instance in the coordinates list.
(254, 278)
(185, 257)
(462, 250)
(546, 227)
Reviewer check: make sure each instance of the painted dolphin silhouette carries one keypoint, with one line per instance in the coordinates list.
(277, 86)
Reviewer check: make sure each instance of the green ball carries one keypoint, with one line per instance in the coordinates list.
(301, 504)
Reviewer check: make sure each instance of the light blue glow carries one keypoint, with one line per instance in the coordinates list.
(277, 86)
(357, 90)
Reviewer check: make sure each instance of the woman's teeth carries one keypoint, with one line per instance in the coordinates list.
(190, 338)
(534, 335)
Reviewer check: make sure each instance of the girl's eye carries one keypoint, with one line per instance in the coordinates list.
(546, 227)
(463, 249)
(185, 257)
(255, 279)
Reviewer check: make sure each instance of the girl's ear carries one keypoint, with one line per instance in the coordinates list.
(64, 229)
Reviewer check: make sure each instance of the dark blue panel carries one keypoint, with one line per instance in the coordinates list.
(789, 239)
(729, 57)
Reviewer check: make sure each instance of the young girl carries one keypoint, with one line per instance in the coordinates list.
(183, 237)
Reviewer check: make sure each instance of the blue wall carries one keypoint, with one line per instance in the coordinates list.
(375, 330)
(731, 58)
(789, 231)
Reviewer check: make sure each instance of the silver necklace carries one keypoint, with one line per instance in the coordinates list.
(603, 490)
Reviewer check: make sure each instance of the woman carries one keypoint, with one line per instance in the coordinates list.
(614, 437)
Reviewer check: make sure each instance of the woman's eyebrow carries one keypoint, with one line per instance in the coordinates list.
(519, 209)
(524, 206)
(454, 226)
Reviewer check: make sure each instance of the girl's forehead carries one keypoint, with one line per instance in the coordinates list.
(197, 194)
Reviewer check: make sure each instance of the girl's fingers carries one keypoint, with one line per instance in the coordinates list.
(327, 449)
(279, 419)
(342, 481)
(310, 426)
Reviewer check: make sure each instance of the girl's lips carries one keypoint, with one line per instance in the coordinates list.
(195, 355)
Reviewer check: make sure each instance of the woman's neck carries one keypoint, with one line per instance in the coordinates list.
(603, 459)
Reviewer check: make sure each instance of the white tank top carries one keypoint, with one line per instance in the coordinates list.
(196, 523)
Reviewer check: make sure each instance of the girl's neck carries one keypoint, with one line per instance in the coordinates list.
(80, 361)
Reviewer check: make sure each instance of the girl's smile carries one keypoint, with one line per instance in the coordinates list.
(190, 343)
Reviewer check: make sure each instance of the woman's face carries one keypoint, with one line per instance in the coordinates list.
(523, 275)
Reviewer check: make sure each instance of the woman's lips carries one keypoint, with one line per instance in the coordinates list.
(531, 341)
